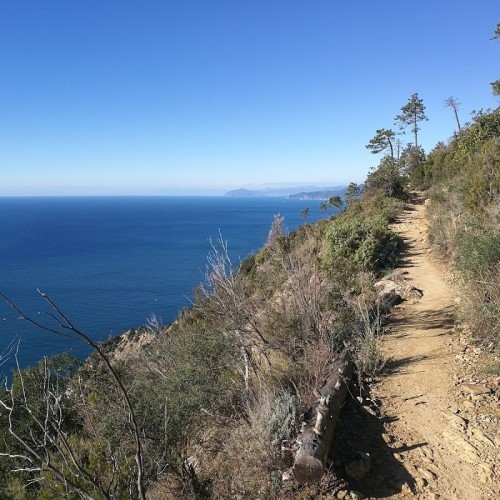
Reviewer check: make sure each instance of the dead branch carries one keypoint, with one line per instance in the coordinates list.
(69, 330)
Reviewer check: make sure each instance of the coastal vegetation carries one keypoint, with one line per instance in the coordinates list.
(216, 393)
(208, 406)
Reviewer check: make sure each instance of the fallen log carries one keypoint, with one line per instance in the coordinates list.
(319, 426)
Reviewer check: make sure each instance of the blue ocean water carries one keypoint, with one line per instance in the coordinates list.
(111, 262)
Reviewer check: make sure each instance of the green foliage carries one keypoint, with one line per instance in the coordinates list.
(356, 238)
(411, 164)
(486, 125)
(464, 229)
(197, 361)
(480, 183)
(413, 112)
(497, 32)
(353, 192)
(334, 202)
(495, 88)
(434, 166)
(382, 141)
(386, 179)
(478, 252)
(471, 161)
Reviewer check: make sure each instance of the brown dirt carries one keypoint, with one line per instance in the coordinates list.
(436, 425)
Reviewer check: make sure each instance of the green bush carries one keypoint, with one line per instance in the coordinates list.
(478, 251)
(358, 241)
(387, 180)
(470, 162)
(197, 361)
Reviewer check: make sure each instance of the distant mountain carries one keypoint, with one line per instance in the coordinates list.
(318, 195)
(287, 192)
(242, 193)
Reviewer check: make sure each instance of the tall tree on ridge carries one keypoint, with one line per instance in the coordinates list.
(453, 103)
(412, 113)
(381, 141)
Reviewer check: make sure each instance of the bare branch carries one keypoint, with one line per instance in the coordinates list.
(224, 296)
(52, 421)
(452, 102)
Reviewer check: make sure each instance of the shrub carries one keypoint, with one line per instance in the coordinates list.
(252, 457)
(477, 259)
(368, 355)
(197, 362)
(359, 241)
(387, 180)
(478, 251)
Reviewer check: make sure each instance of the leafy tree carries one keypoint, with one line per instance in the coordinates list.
(469, 162)
(412, 113)
(305, 213)
(382, 140)
(486, 124)
(453, 103)
(386, 179)
(353, 191)
(334, 202)
(411, 164)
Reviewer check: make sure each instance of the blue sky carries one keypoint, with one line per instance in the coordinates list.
(184, 96)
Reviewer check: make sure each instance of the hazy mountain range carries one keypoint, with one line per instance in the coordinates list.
(300, 192)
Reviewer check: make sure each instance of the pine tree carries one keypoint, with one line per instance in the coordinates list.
(412, 113)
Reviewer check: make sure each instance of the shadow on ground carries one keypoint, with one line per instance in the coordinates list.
(424, 319)
(361, 429)
(399, 365)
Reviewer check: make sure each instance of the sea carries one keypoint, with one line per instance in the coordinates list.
(111, 263)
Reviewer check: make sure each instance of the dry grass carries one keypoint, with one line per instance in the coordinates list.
(313, 372)
(368, 355)
(251, 462)
(469, 242)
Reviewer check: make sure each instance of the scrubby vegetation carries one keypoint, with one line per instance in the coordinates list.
(217, 392)
(463, 179)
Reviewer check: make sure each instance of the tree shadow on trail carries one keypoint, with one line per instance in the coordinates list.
(361, 429)
(397, 365)
(428, 319)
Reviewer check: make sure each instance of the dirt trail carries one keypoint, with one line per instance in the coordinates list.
(444, 451)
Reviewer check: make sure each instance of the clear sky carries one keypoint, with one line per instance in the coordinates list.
(201, 96)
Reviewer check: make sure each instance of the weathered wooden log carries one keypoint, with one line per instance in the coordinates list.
(319, 426)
